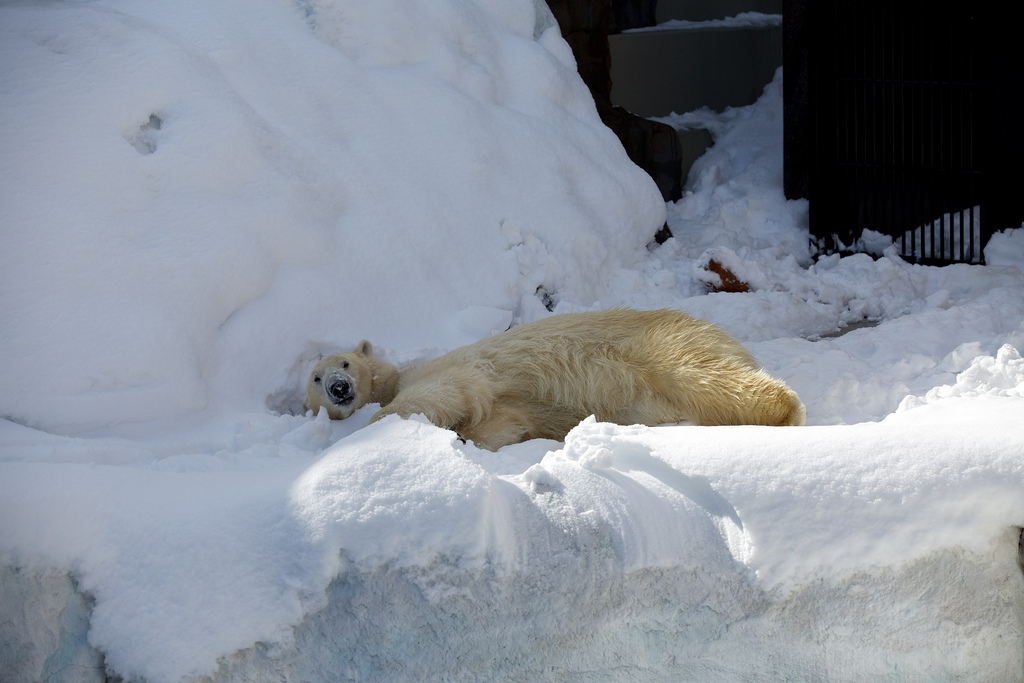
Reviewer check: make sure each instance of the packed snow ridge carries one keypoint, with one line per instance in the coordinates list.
(202, 200)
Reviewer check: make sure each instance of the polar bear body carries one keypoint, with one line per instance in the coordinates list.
(541, 379)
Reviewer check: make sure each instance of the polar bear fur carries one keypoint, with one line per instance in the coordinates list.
(541, 379)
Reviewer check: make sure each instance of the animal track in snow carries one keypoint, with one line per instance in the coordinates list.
(144, 139)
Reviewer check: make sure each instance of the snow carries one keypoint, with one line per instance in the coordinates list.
(201, 200)
(741, 20)
(286, 147)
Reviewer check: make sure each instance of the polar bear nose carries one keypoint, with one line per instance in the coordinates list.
(339, 390)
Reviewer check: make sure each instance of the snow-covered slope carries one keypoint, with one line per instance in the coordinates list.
(194, 195)
(200, 199)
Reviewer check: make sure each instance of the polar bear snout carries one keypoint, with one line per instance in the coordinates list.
(341, 390)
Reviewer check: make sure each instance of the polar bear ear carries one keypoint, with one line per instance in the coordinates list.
(365, 348)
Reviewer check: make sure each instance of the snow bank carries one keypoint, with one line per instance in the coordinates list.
(393, 561)
(680, 558)
(175, 179)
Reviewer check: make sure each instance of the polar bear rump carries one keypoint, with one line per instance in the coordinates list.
(541, 379)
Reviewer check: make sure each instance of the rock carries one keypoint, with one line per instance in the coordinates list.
(653, 146)
(729, 281)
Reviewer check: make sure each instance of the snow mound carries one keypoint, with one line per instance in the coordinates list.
(1002, 375)
(1006, 248)
(200, 200)
(400, 552)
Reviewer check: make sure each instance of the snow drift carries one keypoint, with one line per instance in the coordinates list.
(311, 157)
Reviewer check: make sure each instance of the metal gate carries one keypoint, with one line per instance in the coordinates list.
(893, 118)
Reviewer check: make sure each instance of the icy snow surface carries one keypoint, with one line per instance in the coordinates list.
(202, 199)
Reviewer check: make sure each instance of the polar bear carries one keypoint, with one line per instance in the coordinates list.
(541, 379)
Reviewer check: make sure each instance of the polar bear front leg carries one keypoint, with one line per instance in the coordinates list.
(505, 424)
(446, 415)
(447, 401)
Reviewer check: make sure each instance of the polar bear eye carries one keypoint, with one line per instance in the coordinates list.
(344, 366)
(316, 379)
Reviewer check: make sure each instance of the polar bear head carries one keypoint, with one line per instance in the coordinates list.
(345, 382)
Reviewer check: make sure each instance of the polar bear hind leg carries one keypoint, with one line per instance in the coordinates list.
(776, 404)
(740, 396)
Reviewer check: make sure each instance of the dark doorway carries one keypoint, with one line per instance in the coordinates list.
(904, 118)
